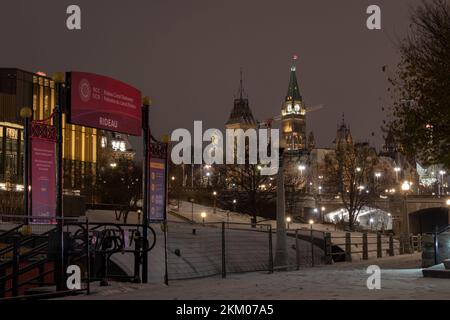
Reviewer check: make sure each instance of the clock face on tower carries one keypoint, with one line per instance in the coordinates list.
(297, 107)
(289, 107)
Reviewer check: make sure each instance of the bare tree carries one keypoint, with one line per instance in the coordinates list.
(350, 174)
(253, 190)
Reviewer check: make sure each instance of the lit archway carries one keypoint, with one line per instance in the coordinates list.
(369, 218)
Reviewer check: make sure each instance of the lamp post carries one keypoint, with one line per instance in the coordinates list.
(215, 197)
(322, 213)
(301, 168)
(397, 170)
(26, 113)
(311, 222)
(60, 276)
(441, 189)
(377, 177)
(406, 186)
(281, 253)
(208, 174)
(203, 215)
(192, 208)
(288, 220)
(234, 205)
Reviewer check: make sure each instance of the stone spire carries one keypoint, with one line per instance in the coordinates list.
(241, 116)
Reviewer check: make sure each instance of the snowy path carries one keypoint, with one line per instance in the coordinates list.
(401, 278)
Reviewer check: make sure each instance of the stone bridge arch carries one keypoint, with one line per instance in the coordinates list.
(427, 220)
(403, 209)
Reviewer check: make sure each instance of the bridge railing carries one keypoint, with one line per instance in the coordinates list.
(365, 246)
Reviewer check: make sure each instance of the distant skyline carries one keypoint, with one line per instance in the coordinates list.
(187, 55)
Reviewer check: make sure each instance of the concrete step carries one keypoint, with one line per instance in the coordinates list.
(447, 264)
(437, 271)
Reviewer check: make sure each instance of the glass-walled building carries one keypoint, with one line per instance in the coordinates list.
(20, 88)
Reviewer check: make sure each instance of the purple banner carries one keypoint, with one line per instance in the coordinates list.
(43, 180)
(157, 181)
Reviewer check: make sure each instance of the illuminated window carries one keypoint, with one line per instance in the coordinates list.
(118, 145)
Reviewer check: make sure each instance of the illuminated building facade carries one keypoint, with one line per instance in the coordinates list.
(18, 89)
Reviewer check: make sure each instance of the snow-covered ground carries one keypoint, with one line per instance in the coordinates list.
(401, 278)
(194, 212)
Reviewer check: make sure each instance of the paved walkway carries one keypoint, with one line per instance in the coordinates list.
(401, 278)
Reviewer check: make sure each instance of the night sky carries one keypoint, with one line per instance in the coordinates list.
(186, 54)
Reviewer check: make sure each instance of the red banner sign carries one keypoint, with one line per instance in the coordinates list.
(43, 180)
(104, 103)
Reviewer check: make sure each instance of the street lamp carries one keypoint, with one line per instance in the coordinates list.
(311, 222)
(203, 215)
(397, 170)
(441, 189)
(448, 202)
(139, 212)
(377, 176)
(215, 197)
(208, 174)
(301, 168)
(406, 186)
(288, 220)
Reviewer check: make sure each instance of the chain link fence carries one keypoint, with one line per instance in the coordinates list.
(201, 250)
(211, 249)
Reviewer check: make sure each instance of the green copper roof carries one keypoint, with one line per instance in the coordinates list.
(293, 90)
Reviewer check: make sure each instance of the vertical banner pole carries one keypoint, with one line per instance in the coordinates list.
(59, 181)
(26, 113)
(166, 199)
(146, 189)
(26, 169)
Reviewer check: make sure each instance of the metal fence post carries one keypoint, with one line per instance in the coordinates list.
(379, 246)
(348, 247)
(391, 245)
(88, 259)
(270, 250)
(224, 265)
(419, 243)
(312, 248)
(436, 246)
(15, 268)
(2, 282)
(365, 247)
(402, 244)
(327, 248)
(297, 249)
